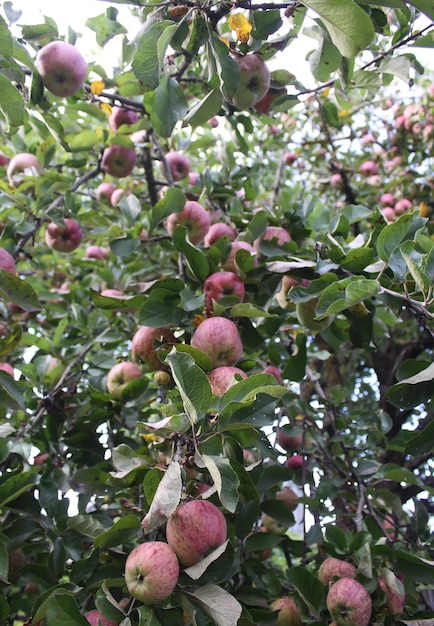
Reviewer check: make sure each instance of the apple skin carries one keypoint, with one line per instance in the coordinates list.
(179, 165)
(196, 528)
(118, 161)
(111, 293)
(294, 462)
(394, 601)
(96, 252)
(221, 378)
(349, 603)
(274, 371)
(402, 206)
(95, 618)
(7, 262)
(271, 525)
(389, 213)
(217, 231)
(305, 312)
(289, 158)
(288, 442)
(61, 67)
(273, 232)
(120, 116)
(64, 238)
(368, 168)
(151, 572)
(4, 160)
(254, 81)
(332, 568)
(218, 337)
(387, 199)
(288, 612)
(120, 376)
(142, 347)
(264, 104)
(7, 367)
(288, 496)
(221, 284)
(22, 162)
(194, 217)
(229, 264)
(104, 192)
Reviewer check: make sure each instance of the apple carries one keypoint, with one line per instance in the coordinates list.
(217, 231)
(288, 496)
(194, 217)
(294, 462)
(288, 612)
(289, 158)
(335, 180)
(218, 337)
(118, 161)
(264, 104)
(7, 367)
(305, 312)
(289, 442)
(387, 199)
(120, 377)
(117, 196)
(4, 160)
(96, 252)
(349, 603)
(95, 618)
(64, 238)
(274, 371)
(61, 67)
(195, 528)
(24, 162)
(221, 378)
(7, 262)
(278, 233)
(272, 525)
(395, 600)
(179, 165)
(143, 348)
(104, 192)
(120, 116)
(332, 568)
(254, 81)
(111, 293)
(368, 168)
(229, 264)
(193, 178)
(151, 572)
(389, 526)
(389, 213)
(221, 284)
(402, 206)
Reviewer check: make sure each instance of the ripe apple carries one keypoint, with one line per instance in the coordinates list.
(143, 348)
(264, 104)
(61, 67)
(120, 377)
(24, 162)
(305, 312)
(402, 206)
(368, 168)
(218, 337)
(289, 158)
(288, 496)
(179, 165)
(273, 232)
(196, 528)
(96, 252)
(288, 612)
(229, 264)
(217, 231)
(120, 116)
(194, 217)
(104, 192)
(289, 442)
(349, 603)
(389, 213)
(335, 180)
(294, 462)
(193, 178)
(274, 371)
(118, 161)
(332, 568)
(254, 81)
(117, 196)
(221, 378)
(111, 293)
(4, 160)
(95, 618)
(7, 262)
(64, 238)
(7, 367)
(151, 572)
(221, 284)
(387, 199)
(395, 601)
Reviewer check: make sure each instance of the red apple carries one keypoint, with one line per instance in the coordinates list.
(117, 196)
(368, 168)
(278, 233)
(120, 376)
(294, 462)
(7, 367)
(195, 529)
(95, 618)
(7, 262)
(254, 81)
(179, 165)
(118, 161)
(64, 238)
(4, 160)
(349, 603)
(395, 600)
(221, 378)
(193, 178)
(288, 612)
(402, 206)
(389, 213)
(151, 572)
(96, 252)
(120, 116)
(221, 284)
(335, 180)
(25, 163)
(387, 199)
(61, 68)
(104, 192)
(218, 337)
(229, 264)
(264, 104)
(217, 231)
(194, 217)
(289, 442)
(289, 158)
(332, 568)
(274, 371)
(143, 348)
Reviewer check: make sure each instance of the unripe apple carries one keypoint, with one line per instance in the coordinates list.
(143, 348)
(120, 376)
(95, 618)
(395, 601)
(349, 603)
(229, 264)
(288, 612)
(120, 116)
(61, 67)
(368, 168)
(217, 231)
(179, 165)
(272, 525)
(218, 337)
(254, 81)
(104, 192)
(24, 162)
(64, 238)
(194, 217)
(151, 572)
(195, 529)
(294, 462)
(221, 378)
(7, 262)
(332, 568)
(118, 161)
(219, 285)
(305, 312)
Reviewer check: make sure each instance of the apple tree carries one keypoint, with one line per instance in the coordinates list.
(216, 316)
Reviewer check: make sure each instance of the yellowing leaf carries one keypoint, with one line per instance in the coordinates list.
(106, 108)
(241, 25)
(225, 41)
(97, 87)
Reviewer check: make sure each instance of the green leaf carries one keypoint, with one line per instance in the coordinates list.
(227, 68)
(206, 108)
(224, 478)
(151, 49)
(105, 26)
(424, 6)
(412, 391)
(308, 587)
(62, 610)
(173, 201)
(169, 106)
(6, 42)
(192, 383)
(83, 141)
(220, 605)
(11, 396)
(13, 487)
(265, 23)
(295, 368)
(422, 442)
(11, 102)
(166, 498)
(18, 291)
(415, 567)
(196, 260)
(246, 309)
(123, 530)
(403, 229)
(324, 60)
(345, 294)
(12, 339)
(398, 66)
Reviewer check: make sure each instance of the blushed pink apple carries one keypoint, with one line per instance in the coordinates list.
(288, 614)
(289, 158)
(104, 192)
(25, 163)
(335, 180)
(7, 262)
(221, 378)
(120, 116)
(179, 165)
(264, 104)
(193, 178)
(196, 528)
(402, 206)
(274, 371)
(95, 618)
(120, 376)
(194, 217)
(368, 168)
(151, 572)
(4, 160)
(218, 337)
(219, 285)
(117, 196)
(387, 199)
(111, 293)
(96, 252)
(64, 238)
(254, 81)
(395, 600)
(389, 213)
(61, 67)
(143, 346)
(294, 462)
(288, 497)
(271, 233)
(7, 367)
(289, 442)
(118, 161)
(217, 231)
(332, 568)
(230, 264)
(349, 603)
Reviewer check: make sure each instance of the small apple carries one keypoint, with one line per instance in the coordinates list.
(151, 572)
(402, 206)
(7, 262)
(193, 178)
(96, 252)
(25, 163)
(64, 238)
(274, 371)
(217, 231)
(221, 378)
(219, 285)
(289, 442)
(289, 158)
(143, 346)
(120, 116)
(389, 213)
(395, 600)
(179, 165)
(332, 568)
(288, 612)
(104, 192)
(336, 180)
(61, 67)
(368, 168)
(229, 264)
(349, 603)
(120, 376)
(288, 496)
(196, 528)
(118, 161)
(387, 199)
(7, 367)
(272, 525)
(278, 233)
(294, 462)
(254, 81)
(306, 315)
(95, 618)
(16, 562)
(218, 337)
(40, 459)
(194, 217)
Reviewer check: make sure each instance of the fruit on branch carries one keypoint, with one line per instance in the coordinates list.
(387, 199)
(306, 315)
(273, 232)
(25, 163)
(229, 264)
(349, 603)
(4, 160)
(402, 206)
(294, 462)
(117, 196)
(274, 371)
(151, 572)
(104, 192)
(288, 496)
(288, 614)
(254, 81)
(95, 618)
(120, 116)
(118, 161)
(395, 600)
(221, 284)
(264, 104)
(16, 562)
(368, 168)
(196, 528)
(217, 231)
(389, 213)
(64, 238)
(7, 262)
(332, 568)
(194, 217)
(143, 348)
(271, 525)
(6, 367)
(221, 378)
(96, 252)
(179, 165)
(289, 158)
(289, 442)
(218, 337)
(61, 67)
(120, 376)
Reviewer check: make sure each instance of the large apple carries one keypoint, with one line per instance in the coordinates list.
(118, 161)
(332, 568)
(289, 442)
(194, 217)
(196, 528)
(24, 162)
(7, 262)
(306, 314)
(151, 572)
(64, 238)
(217, 231)
(179, 165)
(143, 348)
(254, 81)
(120, 116)
(120, 376)
(221, 378)
(61, 68)
(218, 337)
(221, 284)
(349, 603)
(95, 618)
(288, 612)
